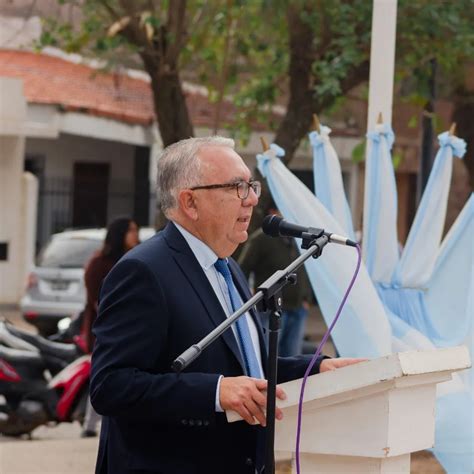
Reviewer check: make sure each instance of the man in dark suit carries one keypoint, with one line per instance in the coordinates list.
(167, 294)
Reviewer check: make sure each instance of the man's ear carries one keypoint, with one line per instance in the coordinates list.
(187, 204)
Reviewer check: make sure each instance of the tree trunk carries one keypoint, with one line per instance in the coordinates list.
(171, 109)
(462, 115)
(299, 111)
(462, 181)
(169, 100)
(160, 55)
(303, 102)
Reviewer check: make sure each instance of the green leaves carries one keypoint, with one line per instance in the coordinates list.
(241, 48)
(358, 152)
(440, 30)
(397, 159)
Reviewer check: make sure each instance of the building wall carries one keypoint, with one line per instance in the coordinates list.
(11, 272)
(57, 157)
(17, 194)
(62, 153)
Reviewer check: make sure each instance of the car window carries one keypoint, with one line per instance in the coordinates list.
(68, 253)
(145, 233)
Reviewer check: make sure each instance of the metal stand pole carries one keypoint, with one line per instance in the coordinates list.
(272, 368)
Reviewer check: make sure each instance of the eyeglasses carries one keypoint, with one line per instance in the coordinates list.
(243, 188)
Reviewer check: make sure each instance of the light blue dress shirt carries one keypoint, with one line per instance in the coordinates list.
(206, 258)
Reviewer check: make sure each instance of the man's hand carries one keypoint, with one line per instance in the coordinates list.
(332, 364)
(247, 396)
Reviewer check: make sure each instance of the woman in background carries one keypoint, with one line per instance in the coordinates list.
(122, 235)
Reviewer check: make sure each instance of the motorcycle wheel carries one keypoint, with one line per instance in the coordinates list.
(23, 420)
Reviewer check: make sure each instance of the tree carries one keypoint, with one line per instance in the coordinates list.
(155, 31)
(329, 56)
(303, 54)
(435, 51)
(328, 49)
(236, 47)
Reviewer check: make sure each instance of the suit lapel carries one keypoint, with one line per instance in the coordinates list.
(194, 273)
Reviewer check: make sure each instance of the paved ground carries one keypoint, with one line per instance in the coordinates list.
(60, 450)
(56, 450)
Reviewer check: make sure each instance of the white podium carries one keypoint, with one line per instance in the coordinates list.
(368, 417)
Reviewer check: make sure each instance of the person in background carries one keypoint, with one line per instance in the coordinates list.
(122, 235)
(261, 257)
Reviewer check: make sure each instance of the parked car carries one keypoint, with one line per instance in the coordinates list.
(55, 286)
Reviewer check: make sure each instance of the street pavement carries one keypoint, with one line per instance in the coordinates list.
(58, 450)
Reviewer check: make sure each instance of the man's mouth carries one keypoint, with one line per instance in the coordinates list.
(243, 219)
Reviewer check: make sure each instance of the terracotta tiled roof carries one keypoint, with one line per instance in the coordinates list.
(78, 87)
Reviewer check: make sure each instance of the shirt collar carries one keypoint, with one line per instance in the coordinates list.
(204, 254)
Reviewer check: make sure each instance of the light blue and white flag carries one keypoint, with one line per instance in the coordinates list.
(363, 329)
(380, 242)
(422, 245)
(328, 183)
(383, 315)
(427, 300)
(449, 290)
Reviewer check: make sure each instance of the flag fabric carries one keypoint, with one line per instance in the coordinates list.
(419, 254)
(397, 303)
(363, 329)
(328, 183)
(380, 243)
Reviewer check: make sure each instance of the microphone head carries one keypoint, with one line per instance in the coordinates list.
(271, 225)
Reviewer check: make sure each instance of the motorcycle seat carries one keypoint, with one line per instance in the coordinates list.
(14, 340)
(61, 350)
(15, 356)
(64, 351)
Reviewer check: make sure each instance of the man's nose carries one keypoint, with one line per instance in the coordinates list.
(251, 199)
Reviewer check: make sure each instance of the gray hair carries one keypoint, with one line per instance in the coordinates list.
(179, 168)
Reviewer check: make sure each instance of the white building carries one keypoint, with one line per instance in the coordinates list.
(89, 138)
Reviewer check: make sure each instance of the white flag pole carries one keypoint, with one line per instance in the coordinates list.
(382, 66)
(382, 61)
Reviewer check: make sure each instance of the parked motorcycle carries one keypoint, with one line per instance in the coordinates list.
(42, 382)
(68, 328)
(56, 355)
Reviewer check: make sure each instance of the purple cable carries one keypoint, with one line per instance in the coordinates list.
(315, 357)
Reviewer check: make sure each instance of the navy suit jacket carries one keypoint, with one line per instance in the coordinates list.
(155, 303)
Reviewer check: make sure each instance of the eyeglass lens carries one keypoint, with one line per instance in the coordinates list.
(243, 189)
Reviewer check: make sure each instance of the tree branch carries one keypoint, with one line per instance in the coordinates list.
(325, 30)
(177, 28)
(111, 11)
(231, 25)
(129, 6)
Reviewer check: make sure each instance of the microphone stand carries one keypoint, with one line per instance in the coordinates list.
(269, 296)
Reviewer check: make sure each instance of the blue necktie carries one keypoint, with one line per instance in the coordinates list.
(243, 331)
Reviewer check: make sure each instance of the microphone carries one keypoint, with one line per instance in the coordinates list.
(275, 226)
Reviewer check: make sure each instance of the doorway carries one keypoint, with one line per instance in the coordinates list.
(90, 196)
